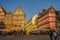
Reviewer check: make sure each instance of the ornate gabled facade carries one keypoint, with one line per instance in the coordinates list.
(2, 14)
(47, 19)
(19, 17)
(52, 17)
(12, 21)
(8, 18)
(8, 21)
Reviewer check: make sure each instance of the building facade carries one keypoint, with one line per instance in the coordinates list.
(58, 20)
(2, 14)
(17, 19)
(31, 25)
(2, 17)
(47, 19)
(8, 21)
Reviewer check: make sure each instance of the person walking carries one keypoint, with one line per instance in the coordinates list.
(51, 34)
(55, 35)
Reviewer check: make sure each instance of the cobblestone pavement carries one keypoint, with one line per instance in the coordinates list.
(24, 37)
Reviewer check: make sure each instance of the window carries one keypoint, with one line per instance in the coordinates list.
(59, 27)
(19, 25)
(59, 21)
(0, 11)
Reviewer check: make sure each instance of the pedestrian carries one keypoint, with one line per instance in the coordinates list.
(55, 35)
(50, 34)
